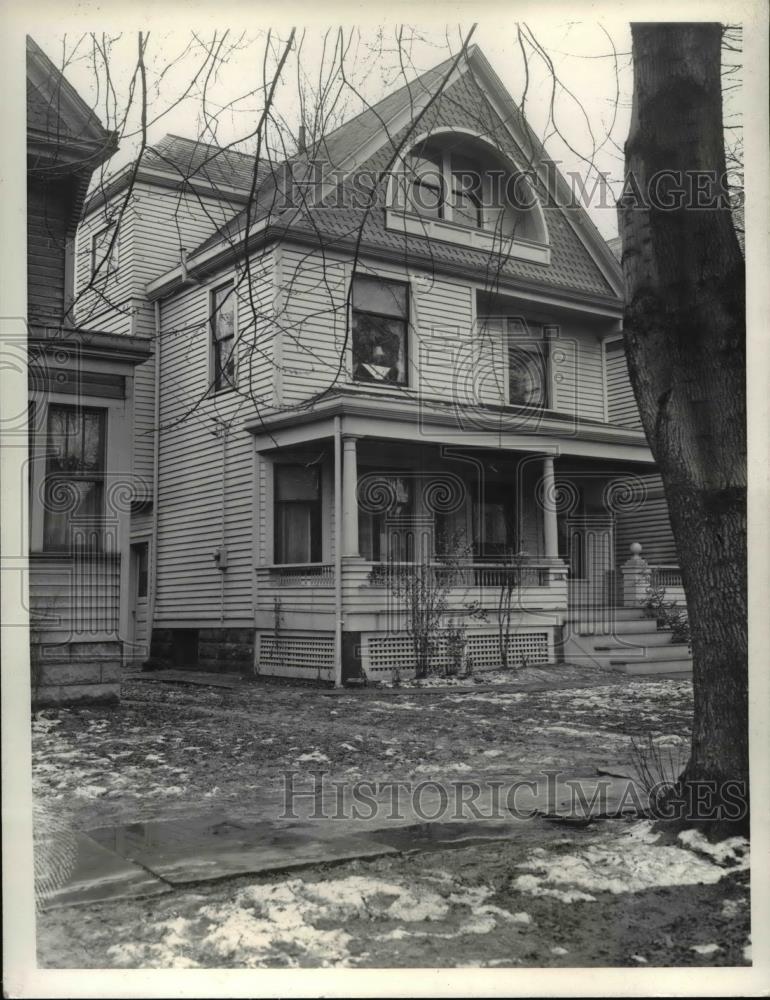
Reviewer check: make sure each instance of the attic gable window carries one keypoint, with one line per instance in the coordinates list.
(462, 188)
(222, 325)
(380, 322)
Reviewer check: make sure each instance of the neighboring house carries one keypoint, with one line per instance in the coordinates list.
(405, 347)
(80, 415)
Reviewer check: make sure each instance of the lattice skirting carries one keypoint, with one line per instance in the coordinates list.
(295, 654)
(380, 654)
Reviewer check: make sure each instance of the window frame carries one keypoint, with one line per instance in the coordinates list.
(219, 380)
(540, 346)
(315, 513)
(97, 477)
(406, 321)
(111, 258)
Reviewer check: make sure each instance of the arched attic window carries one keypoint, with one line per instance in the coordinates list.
(462, 189)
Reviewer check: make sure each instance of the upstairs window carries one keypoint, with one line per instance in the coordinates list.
(74, 486)
(527, 368)
(105, 249)
(380, 323)
(222, 323)
(297, 514)
(463, 188)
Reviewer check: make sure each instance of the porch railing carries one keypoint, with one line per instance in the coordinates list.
(302, 575)
(665, 576)
(481, 574)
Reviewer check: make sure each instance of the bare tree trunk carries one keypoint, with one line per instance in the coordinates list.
(685, 344)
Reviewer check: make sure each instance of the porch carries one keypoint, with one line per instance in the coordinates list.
(343, 523)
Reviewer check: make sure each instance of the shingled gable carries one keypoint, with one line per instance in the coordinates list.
(461, 92)
(64, 136)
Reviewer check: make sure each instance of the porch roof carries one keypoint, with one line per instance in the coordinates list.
(382, 415)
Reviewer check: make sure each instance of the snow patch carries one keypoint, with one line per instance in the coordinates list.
(733, 851)
(315, 756)
(705, 949)
(632, 862)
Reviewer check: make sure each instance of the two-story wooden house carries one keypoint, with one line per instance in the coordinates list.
(403, 347)
(80, 415)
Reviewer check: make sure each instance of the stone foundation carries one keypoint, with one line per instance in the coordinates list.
(75, 673)
(214, 650)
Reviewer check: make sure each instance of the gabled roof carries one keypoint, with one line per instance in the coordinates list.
(60, 125)
(189, 163)
(65, 139)
(581, 261)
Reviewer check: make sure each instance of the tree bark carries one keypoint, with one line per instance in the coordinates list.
(684, 331)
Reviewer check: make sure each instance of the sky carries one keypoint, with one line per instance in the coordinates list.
(583, 121)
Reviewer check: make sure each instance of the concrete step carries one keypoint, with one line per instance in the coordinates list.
(656, 654)
(589, 615)
(647, 639)
(656, 667)
(622, 626)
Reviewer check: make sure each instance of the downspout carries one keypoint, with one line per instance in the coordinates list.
(155, 484)
(337, 551)
(223, 535)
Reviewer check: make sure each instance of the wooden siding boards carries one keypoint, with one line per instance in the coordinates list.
(47, 219)
(647, 523)
(621, 403)
(205, 496)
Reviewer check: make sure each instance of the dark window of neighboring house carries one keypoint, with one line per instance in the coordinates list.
(527, 369)
(380, 324)
(141, 551)
(385, 509)
(297, 514)
(104, 252)
(74, 487)
(222, 319)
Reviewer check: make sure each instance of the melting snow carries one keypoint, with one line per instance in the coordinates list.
(705, 949)
(316, 755)
(632, 862)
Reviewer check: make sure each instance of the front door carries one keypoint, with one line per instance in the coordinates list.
(590, 555)
(138, 650)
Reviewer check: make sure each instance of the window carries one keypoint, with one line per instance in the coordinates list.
(222, 320)
(385, 531)
(527, 368)
(104, 251)
(494, 522)
(427, 187)
(380, 324)
(141, 558)
(297, 514)
(74, 488)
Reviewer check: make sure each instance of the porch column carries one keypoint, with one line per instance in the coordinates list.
(349, 497)
(549, 510)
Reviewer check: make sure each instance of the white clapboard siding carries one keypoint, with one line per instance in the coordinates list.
(311, 322)
(621, 404)
(647, 523)
(206, 491)
(74, 599)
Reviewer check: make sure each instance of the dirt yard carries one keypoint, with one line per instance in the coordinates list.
(607, 894)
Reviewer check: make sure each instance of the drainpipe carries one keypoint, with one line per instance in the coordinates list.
(223, 534)
(338, 551)
(155, 484)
